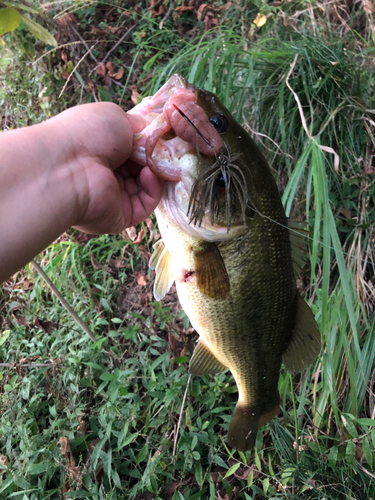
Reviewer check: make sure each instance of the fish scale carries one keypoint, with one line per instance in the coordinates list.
(226, 244)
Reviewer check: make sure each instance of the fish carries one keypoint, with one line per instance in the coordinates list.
(230, 249)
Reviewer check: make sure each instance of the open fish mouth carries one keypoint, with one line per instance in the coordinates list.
(168, 136)
(183, 142)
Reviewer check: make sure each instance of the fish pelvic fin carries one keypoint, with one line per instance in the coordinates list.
(245, 424)
(204, 362)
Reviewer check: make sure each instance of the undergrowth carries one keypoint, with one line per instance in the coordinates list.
(119, 417)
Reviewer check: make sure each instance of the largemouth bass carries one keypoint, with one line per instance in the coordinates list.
(227, 246)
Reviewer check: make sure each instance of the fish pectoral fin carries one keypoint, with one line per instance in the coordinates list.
(203, 362)
(158, 250)
(299, 242)
(304, 346)
(162, 263)
(212, 276)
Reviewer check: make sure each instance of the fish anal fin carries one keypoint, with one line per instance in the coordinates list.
(162, 263)
(299, 242)
(212, 276)
(304, 346)
(203, 362)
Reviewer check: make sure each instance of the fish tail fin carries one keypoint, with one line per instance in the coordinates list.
(245, 424)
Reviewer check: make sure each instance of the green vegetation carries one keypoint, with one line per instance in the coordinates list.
(105, 419)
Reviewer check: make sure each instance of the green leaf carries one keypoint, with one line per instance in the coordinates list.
(104, 95)
(4, 336)
(348, 424)
(219, 461)
(367, 451)
(128, 440)
(181, 360)
(39, 32)
(78, 494)
(142, 454)
(9, 20)
(366, 421)
(287, 475)
(350, 452)
(266, 485)
(199, 473)
(39, 468)
(22, 7)
(332, 456)
(232, 470)
(250, 478)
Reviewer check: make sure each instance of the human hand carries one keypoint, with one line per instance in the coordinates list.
(112, 192)
(72, 170)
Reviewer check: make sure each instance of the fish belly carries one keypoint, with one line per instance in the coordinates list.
(249, 330)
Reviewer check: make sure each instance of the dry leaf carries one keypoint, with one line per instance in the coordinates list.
(45, 325)
(63, 442)
(150, 227)
(141, 280)
(81, 428)
(131, 232)
(136, 96)
(242, 472)
(3, 461)
(21, 320)
(109, 67)
(182, 8)
(222, 495)
(114, 29)
(346, 213)
(95, 263)
(260, 20)
(136, 239)
(66, 19)
(201, 9)
(217, 475)
(100, 70)
(118, 75)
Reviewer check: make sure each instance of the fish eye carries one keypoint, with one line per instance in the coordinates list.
(219, 122)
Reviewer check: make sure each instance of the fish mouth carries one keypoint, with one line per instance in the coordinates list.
(173, 111)
(167, 151)
(182, 145)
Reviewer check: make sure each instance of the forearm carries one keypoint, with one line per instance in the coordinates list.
(61, 173)
(37, 202)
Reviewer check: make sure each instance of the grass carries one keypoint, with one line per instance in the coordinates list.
(84, 419)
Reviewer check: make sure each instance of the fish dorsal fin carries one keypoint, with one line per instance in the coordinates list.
(299, 242)
(212, 276)
(162, 263)
(304, 346)
(203, 362)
